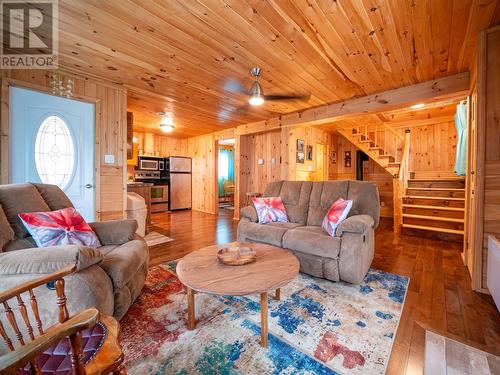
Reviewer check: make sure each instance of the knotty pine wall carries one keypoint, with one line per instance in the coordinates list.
(110, 132)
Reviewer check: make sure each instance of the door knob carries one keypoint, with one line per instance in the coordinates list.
(88, 186)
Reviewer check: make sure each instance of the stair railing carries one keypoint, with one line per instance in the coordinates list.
(400, 182)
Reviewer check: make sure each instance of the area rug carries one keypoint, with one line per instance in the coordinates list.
(155, 238)
(446, 356)
(318, 327)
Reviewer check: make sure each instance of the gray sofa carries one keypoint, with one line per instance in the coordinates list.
(110, 277)
(348, 255)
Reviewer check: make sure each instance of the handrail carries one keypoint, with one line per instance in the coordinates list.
(401, 183)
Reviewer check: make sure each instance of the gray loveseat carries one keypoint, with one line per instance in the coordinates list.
(348, 255)
(110, 277)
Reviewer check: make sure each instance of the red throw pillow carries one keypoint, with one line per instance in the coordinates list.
(270, 209)
(61, 227)
(336, 214)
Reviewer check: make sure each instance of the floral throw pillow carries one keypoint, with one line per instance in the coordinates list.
(336, 214)
(61, 227)
(270, 209)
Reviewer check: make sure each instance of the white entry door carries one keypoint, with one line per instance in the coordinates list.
(52, 141)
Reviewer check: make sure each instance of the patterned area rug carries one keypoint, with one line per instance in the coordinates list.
(318, 327)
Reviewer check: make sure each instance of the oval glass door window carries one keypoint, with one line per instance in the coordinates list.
(54, 152)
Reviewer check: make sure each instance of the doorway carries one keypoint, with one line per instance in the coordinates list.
(52, 141)
(225, 174)
(320, 162)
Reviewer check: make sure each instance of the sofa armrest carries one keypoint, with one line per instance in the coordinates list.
(355, 224)
(43, 260)
(115, 232)
(250, 213)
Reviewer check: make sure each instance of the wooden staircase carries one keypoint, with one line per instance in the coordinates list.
(383, 146)
(435, 206)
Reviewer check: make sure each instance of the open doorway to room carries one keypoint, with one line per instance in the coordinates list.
(225, 173)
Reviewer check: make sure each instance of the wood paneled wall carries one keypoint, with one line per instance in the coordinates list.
(433, 150)
(486, 167)
(110, 132)
(260, 160)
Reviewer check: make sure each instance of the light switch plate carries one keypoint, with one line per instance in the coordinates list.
(273, 161)
(260, 162)
(109, 159)
(310, 168)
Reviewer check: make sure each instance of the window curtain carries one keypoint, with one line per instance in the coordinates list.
(461, 126)
(226, 169)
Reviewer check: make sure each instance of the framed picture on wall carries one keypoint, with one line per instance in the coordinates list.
(300, 145)
(309, 152)
(300, 157)
(334, 157)
(347, 159)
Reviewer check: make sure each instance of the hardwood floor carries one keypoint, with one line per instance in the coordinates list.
(439, 296)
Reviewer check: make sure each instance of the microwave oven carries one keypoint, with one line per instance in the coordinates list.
(151, 164)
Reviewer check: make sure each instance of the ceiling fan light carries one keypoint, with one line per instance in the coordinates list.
(166, 128)
(256, 100)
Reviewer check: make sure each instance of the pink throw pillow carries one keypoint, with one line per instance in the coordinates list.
(270, 209)
(61, 227)
(336, 214)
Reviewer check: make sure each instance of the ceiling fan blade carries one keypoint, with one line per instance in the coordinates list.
(286, 97)
(234, 86)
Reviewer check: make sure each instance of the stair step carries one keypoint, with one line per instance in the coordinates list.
(365, 141)
(386, 156)
(436, 183)
(434, 229)
(443, 208)
(436, 189)
(424, 197)
(437, 218)
(436, 192)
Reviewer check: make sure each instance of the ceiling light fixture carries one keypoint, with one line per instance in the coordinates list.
(417, 106)
(256, 94)
(167, 123)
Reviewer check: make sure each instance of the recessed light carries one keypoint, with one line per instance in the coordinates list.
(417, 106)
(166, 128)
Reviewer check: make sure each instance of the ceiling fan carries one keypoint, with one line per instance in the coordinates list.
(256, 93)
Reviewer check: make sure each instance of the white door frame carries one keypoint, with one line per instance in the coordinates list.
(7, 83)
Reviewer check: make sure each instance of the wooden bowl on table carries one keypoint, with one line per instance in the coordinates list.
(236, 255)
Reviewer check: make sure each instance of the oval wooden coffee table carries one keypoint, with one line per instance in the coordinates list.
(201, 271)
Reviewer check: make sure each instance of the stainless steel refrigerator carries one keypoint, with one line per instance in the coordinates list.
(179, 177)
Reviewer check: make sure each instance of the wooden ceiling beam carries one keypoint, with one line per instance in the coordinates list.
(427, 92)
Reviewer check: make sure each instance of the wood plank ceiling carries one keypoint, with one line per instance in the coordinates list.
(176, 56)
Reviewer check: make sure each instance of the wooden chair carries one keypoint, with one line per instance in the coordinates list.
(86, 343)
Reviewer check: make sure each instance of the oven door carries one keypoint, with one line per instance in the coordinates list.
(159, 194)
(148, 164)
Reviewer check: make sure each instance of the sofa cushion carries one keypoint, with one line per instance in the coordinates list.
(61, 227)
(106, 249)
(53, 196)
(271, 233)
(295, 196)
(18, 198)
(284, 225)
(323, 194)
(365, 199)
(273, 189)
(312, 240)
(20, 243)
(270, 209)
(6, 232)
(123, 262)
